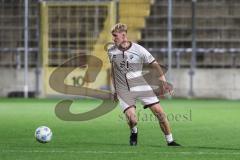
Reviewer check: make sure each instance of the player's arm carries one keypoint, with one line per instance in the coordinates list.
(115, 98)
(110, 47)
(166, 86)
(149, 59)
(159, 70)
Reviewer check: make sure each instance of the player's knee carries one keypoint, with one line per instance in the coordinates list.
(132, 120)
(131, 116)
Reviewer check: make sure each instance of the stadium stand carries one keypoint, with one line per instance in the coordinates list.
(12, 32)
(85, 30)
(134, 18)
(217, 32)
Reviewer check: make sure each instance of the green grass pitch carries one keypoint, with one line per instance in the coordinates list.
(207, 129)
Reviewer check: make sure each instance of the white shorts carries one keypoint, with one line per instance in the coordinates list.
(143, 93)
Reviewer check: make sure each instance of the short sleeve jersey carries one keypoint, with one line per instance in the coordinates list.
(127, 65)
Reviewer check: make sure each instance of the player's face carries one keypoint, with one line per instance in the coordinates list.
(119, 37)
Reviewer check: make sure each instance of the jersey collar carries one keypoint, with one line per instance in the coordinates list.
(125, 49)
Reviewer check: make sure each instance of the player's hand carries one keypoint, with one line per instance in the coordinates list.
(167, 88)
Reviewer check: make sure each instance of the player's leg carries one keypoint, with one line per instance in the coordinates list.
(164, 124)
(130, 113)
(162, 119)
(127, 103)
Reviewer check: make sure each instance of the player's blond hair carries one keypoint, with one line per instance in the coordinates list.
(119, 27)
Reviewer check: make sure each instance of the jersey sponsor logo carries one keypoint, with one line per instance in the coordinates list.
(131, 56)
(122, 64)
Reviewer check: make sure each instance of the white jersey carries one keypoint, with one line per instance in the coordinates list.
(127, 66)
(127, 76)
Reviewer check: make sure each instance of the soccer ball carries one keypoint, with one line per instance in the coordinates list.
(43, 134)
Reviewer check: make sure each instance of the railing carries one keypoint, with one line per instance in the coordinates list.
(206, 57)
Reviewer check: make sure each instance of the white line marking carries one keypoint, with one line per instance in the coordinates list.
(118, 152)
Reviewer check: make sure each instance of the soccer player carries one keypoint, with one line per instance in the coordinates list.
(127, 59)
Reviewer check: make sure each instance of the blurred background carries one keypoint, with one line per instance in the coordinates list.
(197, 39)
